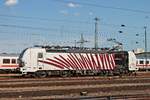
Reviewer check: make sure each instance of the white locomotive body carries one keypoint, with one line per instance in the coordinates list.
(57, 61)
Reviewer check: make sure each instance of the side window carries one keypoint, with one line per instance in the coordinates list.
(147, 62)
(6, 61)
(141, 62)
(13, 61)
(40, 55)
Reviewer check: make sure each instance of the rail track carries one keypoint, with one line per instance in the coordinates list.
(63, 93)
(60, 82)
(75, 88)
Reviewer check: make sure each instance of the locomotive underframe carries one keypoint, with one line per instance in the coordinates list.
(70, 73)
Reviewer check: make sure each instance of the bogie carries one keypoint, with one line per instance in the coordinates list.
(41, 74)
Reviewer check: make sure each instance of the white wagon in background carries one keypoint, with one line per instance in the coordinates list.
(9, 62)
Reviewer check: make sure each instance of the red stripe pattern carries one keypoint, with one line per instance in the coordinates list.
(81, 61)
(16, 65)
(143, 66)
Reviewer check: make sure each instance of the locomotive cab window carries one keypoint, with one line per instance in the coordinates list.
(13, 61)
(6, 61)
(118, 56)
(40, 55)
(120, 59)
(118, 62)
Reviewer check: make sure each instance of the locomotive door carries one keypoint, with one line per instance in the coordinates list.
(40, 58)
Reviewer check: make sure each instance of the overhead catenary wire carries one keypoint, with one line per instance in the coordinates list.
(77, 21)
(31, 27)
(35, 28)
(43, 19)
(103, 6)
(56, 20)
(26, 27)
(72, 21)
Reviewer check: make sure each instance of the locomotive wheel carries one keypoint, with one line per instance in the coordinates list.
(41, 74)
(64, 74)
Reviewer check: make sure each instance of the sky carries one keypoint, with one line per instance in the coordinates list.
(25, 23)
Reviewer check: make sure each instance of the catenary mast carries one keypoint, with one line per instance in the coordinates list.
(96, 33)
